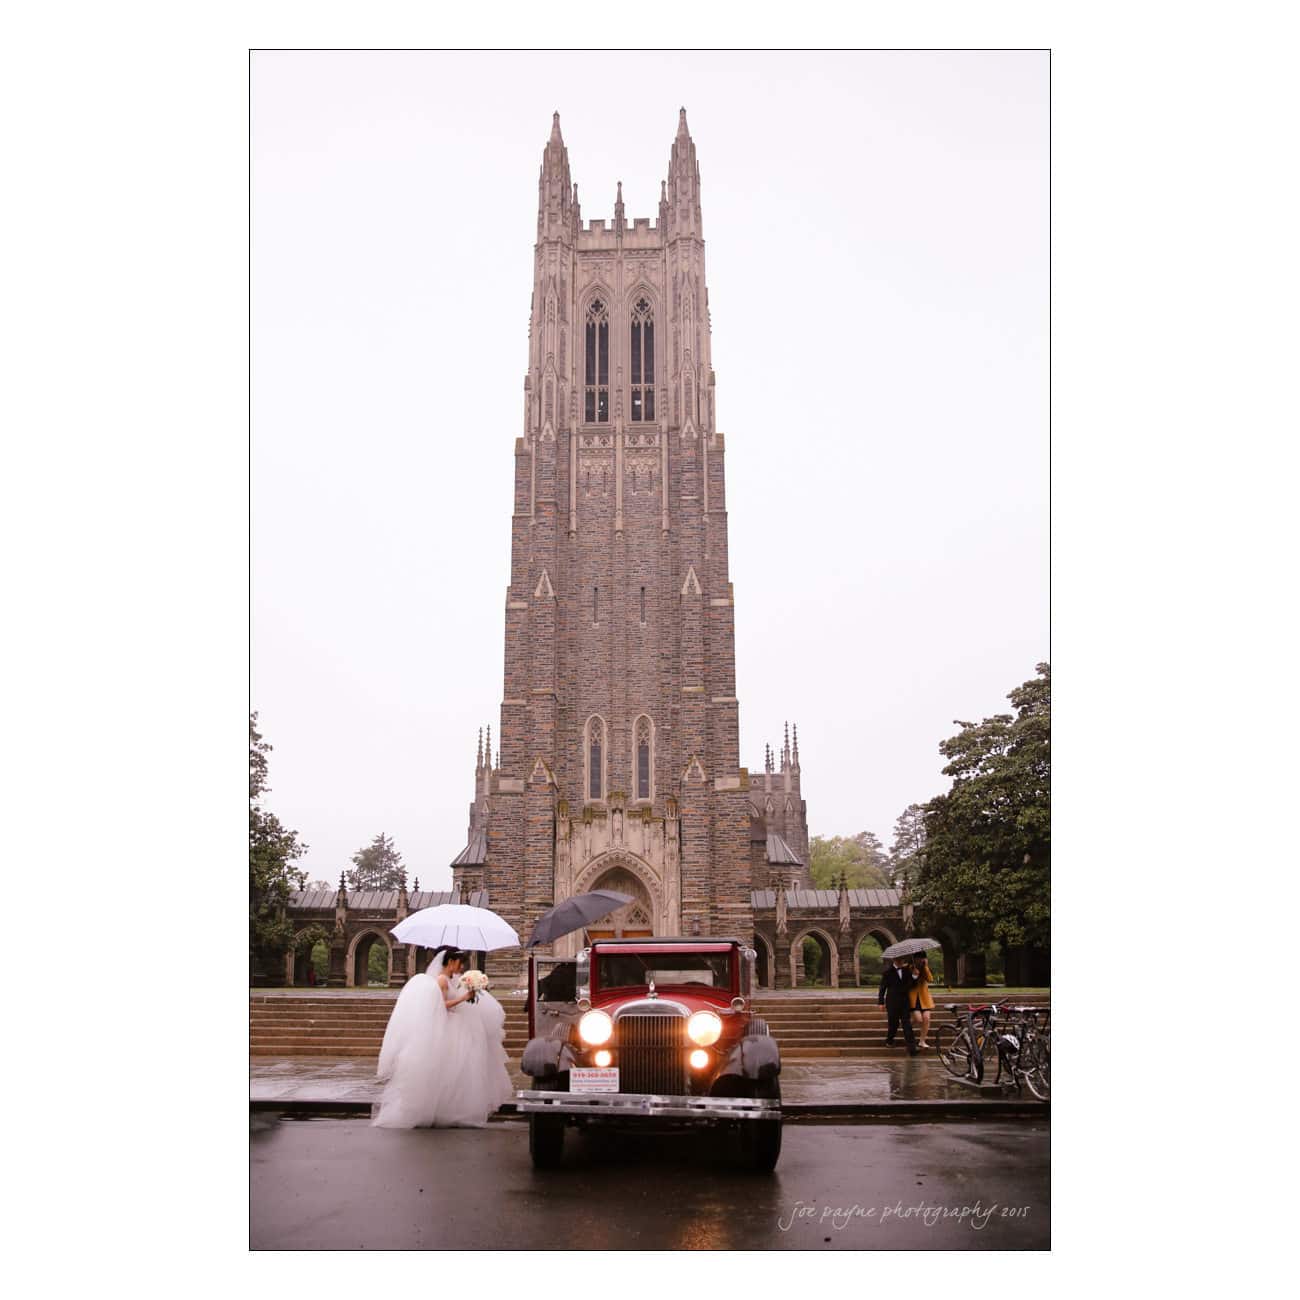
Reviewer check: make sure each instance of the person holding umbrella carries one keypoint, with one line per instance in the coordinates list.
(895, 985)
(443, 1062)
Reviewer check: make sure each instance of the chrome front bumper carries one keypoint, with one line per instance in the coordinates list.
(639, 1105)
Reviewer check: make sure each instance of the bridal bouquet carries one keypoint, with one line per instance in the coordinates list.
(475, 980)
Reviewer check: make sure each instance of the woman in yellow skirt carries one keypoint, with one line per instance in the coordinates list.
(919, 999)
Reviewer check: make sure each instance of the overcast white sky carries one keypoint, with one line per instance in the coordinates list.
(877, 250)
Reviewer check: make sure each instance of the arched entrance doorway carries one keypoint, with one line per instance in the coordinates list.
(359, 966)
(867, 962)
(634, 920)
(827, 959)
(764, 963)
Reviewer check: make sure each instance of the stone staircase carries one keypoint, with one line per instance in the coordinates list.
(808, 1026)
(339, 1024)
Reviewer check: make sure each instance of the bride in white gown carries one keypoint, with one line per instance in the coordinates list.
(442, 1062)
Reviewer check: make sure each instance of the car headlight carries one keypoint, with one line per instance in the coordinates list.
(704, 1028)
(595, 1028)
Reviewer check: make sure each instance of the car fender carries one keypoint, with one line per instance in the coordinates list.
(546, 1056)
(754, 1057)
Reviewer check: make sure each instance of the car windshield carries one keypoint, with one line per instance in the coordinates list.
(628, 969)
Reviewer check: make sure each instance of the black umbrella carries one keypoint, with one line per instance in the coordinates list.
(572, 914)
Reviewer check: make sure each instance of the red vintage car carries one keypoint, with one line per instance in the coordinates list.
(641, 1032)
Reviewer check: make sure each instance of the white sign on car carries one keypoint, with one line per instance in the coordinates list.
(582, 1079)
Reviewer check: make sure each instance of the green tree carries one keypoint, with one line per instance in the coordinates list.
(860, 857)
(377, 866)
(905, 855)
(987, 856)
(271, 849)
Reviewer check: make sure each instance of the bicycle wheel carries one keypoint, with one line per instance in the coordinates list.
(1037, 1070)
(952, 1045)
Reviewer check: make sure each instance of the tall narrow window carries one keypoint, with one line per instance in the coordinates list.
(643, 361)
(644, 750)
(597, 377)
(643, 604)
(595, 604)
(595, 744)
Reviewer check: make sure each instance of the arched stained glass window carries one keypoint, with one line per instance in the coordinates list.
(597, 373)
(643, 360)
(595, 747)
(645, 740)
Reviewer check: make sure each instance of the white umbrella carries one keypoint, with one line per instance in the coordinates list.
(472, 928)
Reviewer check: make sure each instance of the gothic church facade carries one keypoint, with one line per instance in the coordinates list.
(619, 761)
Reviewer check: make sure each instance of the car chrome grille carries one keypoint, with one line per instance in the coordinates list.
(651, 1054)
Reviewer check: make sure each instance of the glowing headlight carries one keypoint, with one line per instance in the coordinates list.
(699, 1059)
(704, 1028)
(595, 1028)
(603, 1058)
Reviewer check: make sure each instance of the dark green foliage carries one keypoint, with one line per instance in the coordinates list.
(812, 962)
(906, 853)
(377, 966)
(987, 852)
(860, 857)
(870, 963)
(271, 849)
(377, 866)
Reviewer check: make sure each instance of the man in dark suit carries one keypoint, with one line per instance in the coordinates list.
(897, 979)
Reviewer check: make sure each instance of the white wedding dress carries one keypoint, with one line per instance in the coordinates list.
(442, 1066)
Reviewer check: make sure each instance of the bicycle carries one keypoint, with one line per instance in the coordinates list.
(1023, 1049)
(1033, 1063)
(963, 1045)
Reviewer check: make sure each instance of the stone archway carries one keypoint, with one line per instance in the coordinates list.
(627, 874)
(830, 954)
(883, 936)
(634, 919)
(358, 959)
(765, 965)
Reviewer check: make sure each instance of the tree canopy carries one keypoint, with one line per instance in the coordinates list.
(987, 847)
(377, 866)
(905, 854)
(271, 849)
(860, 857)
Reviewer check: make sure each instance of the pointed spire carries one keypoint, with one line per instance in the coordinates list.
(554, 187)
(618, 208)
(416, 888)
(796, 745)
(478, 761)
(785, 752)
(487, 753)
(682, 128)
(682, 189)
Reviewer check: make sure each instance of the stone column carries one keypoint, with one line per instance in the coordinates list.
(338, 976)
(847, 975)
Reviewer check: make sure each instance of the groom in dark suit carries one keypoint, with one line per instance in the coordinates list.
(897, 979)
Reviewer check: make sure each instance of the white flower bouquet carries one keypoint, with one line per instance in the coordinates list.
(475, 980)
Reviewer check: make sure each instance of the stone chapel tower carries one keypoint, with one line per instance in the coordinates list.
(618, 764)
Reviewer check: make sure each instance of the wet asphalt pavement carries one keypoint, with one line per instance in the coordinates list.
(338, 1184)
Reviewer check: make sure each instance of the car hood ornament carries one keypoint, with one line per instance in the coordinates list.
(651, 993)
